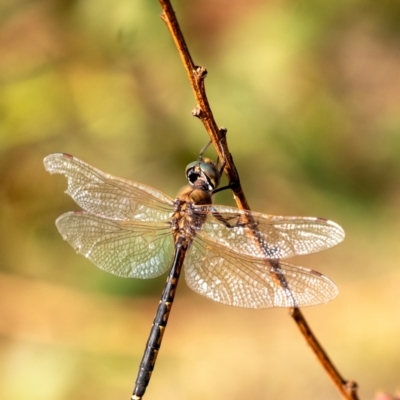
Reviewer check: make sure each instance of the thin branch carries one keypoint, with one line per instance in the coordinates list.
(203, 111)
(348, 389)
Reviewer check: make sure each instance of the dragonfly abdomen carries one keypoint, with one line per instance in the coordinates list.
(160, 321)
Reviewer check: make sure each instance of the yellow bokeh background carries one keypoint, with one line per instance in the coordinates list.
(310, 94)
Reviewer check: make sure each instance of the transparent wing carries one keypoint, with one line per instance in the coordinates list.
(280, 237)
(238, 280)
(126, 249)
(108, 196)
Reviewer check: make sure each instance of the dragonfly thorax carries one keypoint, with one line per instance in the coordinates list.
(196, 193)
(203, 177)
(203, 171)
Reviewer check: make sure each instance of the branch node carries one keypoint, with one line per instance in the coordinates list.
(222, 131)
(351, 387)
(201, 72)
(163, 16)
(197, 112)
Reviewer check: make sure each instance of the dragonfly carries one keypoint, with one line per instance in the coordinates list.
(229, 255)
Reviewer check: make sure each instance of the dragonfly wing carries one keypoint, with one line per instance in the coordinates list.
(126, 249)
(242, 281)
(268, 236)
(108, 196)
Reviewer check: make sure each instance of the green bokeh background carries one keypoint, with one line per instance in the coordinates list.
(310, 94)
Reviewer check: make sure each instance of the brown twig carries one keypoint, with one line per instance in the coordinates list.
(203, 111)
(348, 389)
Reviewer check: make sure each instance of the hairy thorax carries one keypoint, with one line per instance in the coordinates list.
(186, 221)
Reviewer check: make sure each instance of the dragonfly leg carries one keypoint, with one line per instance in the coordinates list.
(230, 186)
(203, 150)
(237, 223)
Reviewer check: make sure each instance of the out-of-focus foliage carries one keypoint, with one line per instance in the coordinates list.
(310, 93)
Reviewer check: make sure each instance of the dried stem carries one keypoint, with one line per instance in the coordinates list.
(203, 111)
(348, 389)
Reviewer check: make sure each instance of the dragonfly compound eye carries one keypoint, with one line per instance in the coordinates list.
(205, 170)
(193, 172)
(211, 171)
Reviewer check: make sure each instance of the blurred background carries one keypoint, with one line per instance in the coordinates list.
(310, 93)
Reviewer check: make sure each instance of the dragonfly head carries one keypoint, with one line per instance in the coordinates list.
(205, 170)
